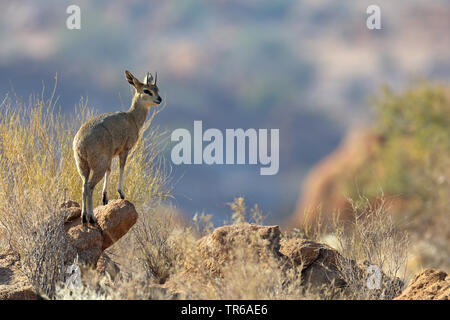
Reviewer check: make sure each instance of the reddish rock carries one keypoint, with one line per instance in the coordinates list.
(115, 219)
(430, 284)
(87, 241)
(71, 213)
(301, 251)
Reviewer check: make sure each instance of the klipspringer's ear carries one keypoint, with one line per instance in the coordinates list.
(132, 80)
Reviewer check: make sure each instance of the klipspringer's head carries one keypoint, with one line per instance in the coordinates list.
(147, 92)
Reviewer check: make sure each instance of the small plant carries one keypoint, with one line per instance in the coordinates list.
(239, 212)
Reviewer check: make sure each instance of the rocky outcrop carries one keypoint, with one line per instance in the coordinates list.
(320, 266)
(430, 284)
(316, 261)
(113, 222)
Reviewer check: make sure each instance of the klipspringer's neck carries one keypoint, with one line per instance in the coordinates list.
(139, 112)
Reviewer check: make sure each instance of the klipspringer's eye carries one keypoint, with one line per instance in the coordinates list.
(148, 92)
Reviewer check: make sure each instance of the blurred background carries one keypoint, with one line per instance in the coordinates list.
(306, 67)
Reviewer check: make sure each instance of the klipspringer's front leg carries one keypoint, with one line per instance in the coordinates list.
(105, 188)
(122, 160)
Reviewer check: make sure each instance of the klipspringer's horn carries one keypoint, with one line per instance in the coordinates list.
(148, 78)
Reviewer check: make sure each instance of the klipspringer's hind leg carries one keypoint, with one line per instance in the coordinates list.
(105, 187)
(97, 175)
(122, 160)
(85, 202)
(84, 171)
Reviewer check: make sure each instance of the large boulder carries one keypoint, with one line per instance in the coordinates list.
(430, 284)
(218, 248)
(113, 222)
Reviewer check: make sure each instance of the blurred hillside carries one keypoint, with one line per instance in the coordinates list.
(306, 67)
(404, 157)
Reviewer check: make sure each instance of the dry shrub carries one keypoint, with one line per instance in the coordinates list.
(97, 286)
(375, 243)
(247, 278)
(239, 212)
(35, 231)
(155, 236)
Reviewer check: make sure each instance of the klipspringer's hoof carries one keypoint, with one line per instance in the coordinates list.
(92, 220)
(121, 195)
(105, 199)
(83, 220)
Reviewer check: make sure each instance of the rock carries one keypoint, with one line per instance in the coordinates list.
(326, 188)
(105, 265)
(430, 284)
(317, 260)
(69, 204)
(301, 251)
(216, 249)
(113, 221)
(88, 242)
(71, 213)
(13, 283)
